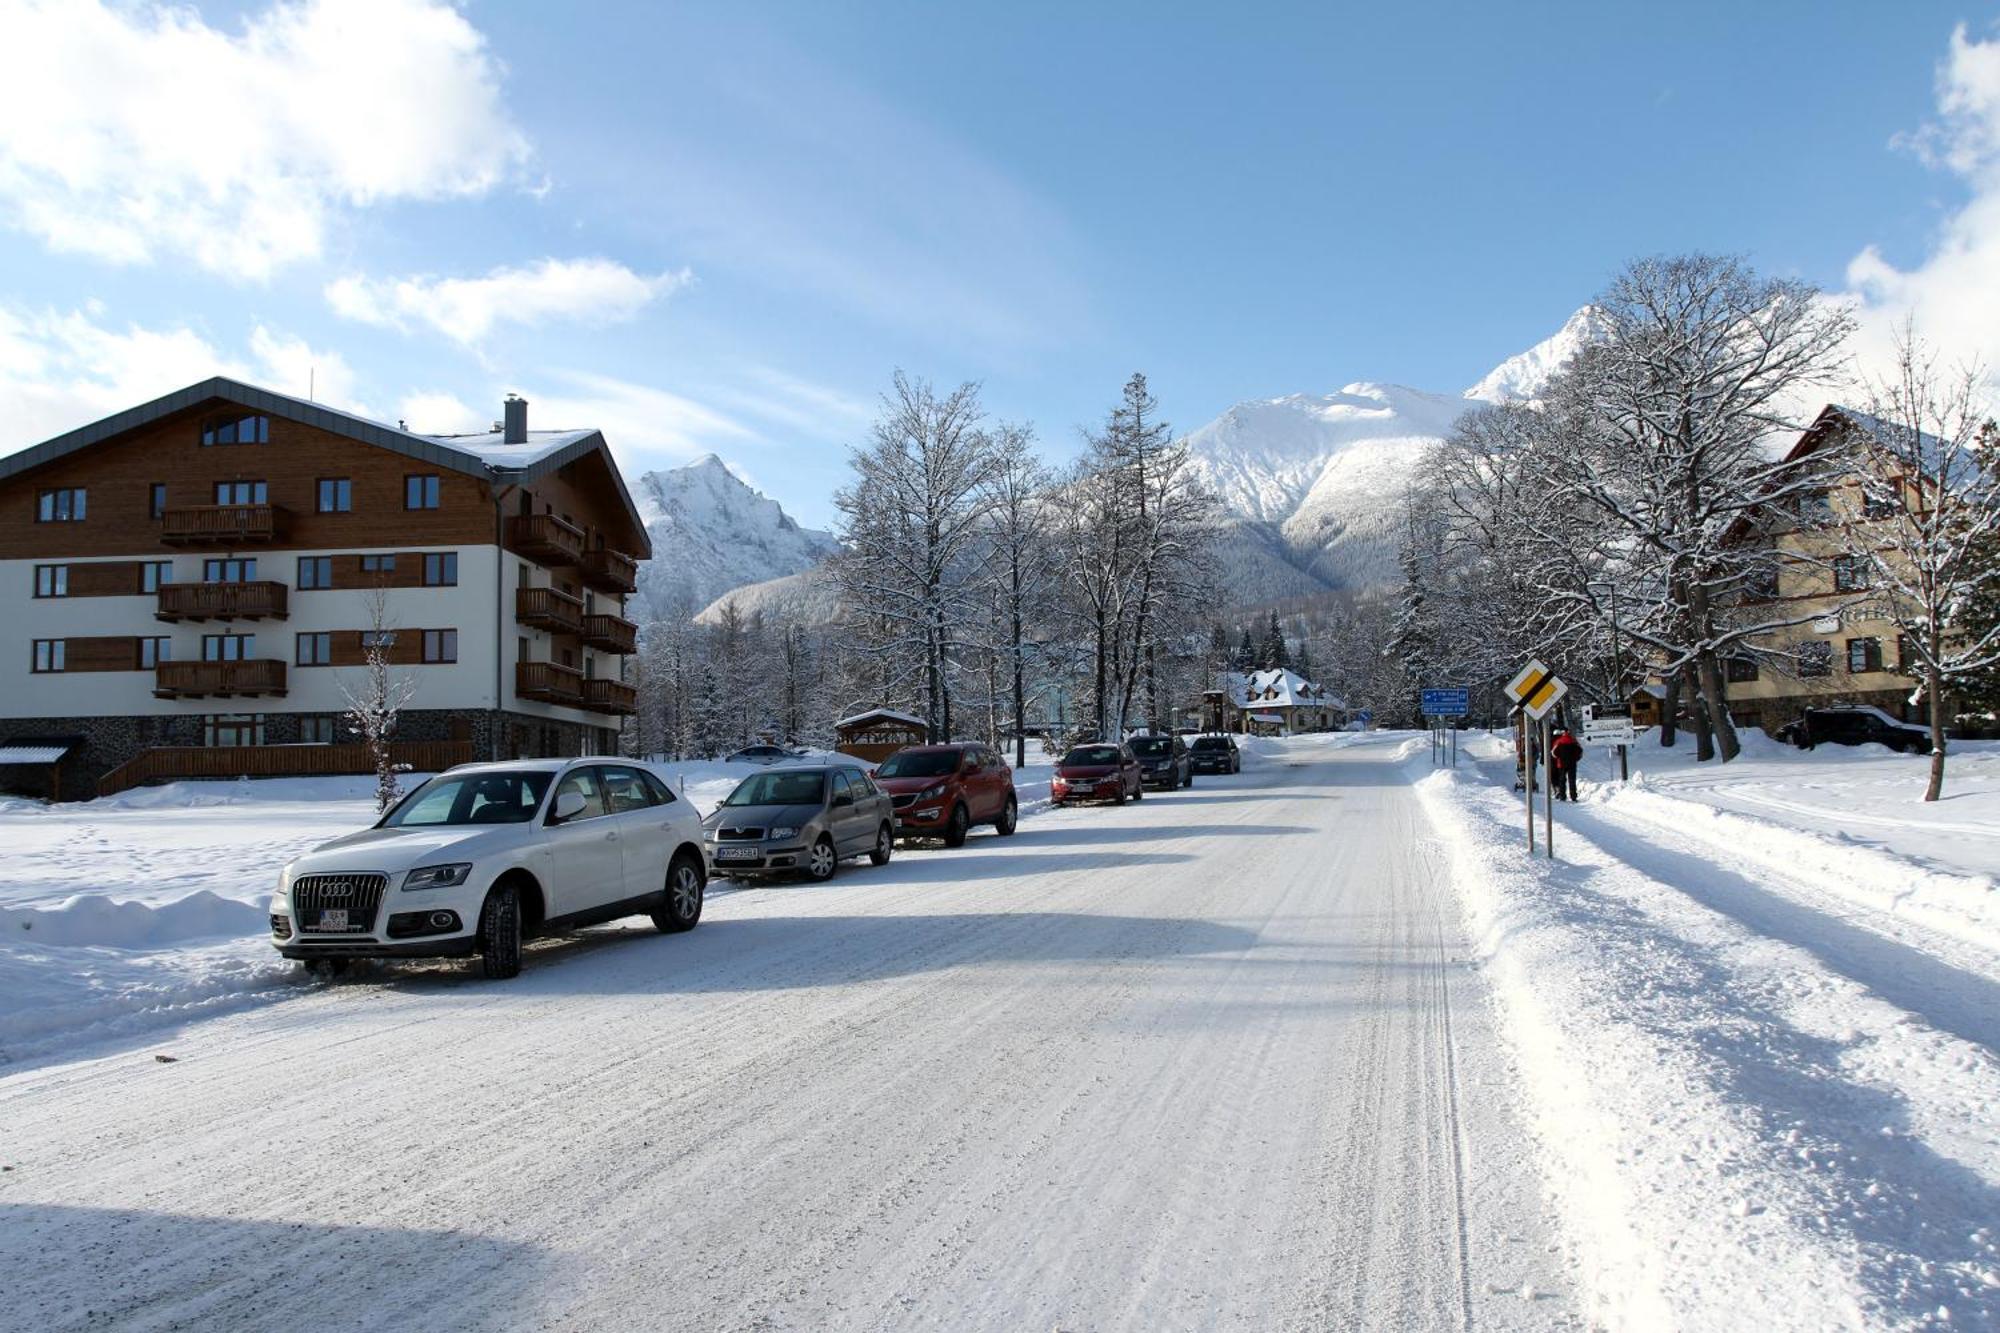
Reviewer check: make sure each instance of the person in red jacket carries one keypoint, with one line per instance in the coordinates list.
(1565, 753)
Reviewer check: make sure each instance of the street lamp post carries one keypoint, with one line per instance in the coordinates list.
(1609, 592)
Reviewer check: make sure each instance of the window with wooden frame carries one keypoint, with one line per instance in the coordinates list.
(315, 571)
(228, 647)
(336, 495)
(1908, 659)
(51, 655)
(315, 649)
(233, 729)
(229, 569)
(441, 569)
(378, 564)
(1850, 573)
(318, 730)
(1815, 657)
(65, 504)
(249, 428)
(155, 573)
(51, 580)
(421, 491)
(242, 492)
(1863, 655)
(154, 650)
(440, 645)
(156, 500)
(1740, 668)
(377, 638)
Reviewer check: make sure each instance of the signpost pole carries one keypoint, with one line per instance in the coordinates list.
(1527, 775)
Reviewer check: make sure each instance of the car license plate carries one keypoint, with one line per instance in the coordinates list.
(332, 918)
(737, 854)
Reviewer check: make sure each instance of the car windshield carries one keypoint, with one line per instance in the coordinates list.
(1091, 756)
(472, 798)
(793, 788)
(1152, 747)
(919, 764)
(1211, 743)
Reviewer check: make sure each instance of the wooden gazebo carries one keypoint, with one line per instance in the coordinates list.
(878, 733)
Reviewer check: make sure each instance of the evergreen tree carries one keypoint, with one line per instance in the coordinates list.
(1246, 654)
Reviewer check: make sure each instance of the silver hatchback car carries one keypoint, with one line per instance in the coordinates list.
(803, 819)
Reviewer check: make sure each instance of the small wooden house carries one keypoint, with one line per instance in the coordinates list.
(878, 733)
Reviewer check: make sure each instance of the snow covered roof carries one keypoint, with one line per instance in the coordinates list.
(879, 715)
(486, 455)
(1278, 687)
(32, 754)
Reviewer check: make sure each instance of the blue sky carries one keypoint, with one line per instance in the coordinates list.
(720, 227)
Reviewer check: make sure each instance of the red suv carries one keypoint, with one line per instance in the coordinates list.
(941, 791)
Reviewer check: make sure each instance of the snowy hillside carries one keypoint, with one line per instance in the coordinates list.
(713, 532)
(809, 597)
(1313, 482)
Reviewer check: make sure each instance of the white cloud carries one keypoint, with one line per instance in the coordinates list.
(437, 413)
(643, 424)
(64, 369)
(1952, 294)
(138, 130)
(595, 291)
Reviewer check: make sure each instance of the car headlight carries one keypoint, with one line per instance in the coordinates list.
(932, 792)
(790, 831)
(437, 877)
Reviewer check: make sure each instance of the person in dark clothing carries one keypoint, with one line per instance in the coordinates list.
(1565, 753)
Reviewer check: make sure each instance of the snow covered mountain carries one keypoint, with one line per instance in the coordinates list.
(1313, 483)
(713, 532)
(1520, 378)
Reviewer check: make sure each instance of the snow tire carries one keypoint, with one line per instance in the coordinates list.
(686, 888)
(500, 934)
(885, 847)
(822, 860)
(1010, 817)
(957, 827)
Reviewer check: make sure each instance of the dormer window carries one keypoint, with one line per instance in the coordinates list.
(254, 428)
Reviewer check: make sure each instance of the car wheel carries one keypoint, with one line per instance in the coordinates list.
(1138, 791)
(1010, 816)
(885, 847)
(686, 886)
(959, 825)
(327, 969)
(1190, 779)
(822, 860)
(500, 934)
(1121, 797)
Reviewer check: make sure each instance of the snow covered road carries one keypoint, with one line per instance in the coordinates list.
(1204, 1061)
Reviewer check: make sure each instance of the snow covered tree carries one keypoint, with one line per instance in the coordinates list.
(1930, 478)
(1018, 565)
(1667, 422)
(1273, 654)
(1245, 657)
(375, 701)
(911, 521)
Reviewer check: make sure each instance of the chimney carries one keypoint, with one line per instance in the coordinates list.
(516, 408)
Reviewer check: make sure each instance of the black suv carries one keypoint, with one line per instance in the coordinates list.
(1163, 761)
(1214, 754)
(1858, 725)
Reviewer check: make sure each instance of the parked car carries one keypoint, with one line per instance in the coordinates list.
(1097, 773)
(799, 820)
(762, 754)
(942, 791)
(1163, 761)
(485, 856)
(1214, 754)
(1855, 725)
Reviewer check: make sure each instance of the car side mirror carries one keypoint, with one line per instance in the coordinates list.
(843, 799)
(569, 805)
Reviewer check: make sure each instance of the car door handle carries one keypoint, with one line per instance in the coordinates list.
(611, 837)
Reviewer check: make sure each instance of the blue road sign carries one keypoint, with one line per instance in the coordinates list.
(1454, 702)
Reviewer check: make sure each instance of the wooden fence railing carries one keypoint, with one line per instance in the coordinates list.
(173, 762)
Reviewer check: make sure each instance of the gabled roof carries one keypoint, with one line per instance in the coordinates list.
(879, 715)
(486, 456)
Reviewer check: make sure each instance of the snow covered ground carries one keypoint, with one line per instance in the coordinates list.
(1212, 1060)
(148, 909)
(1765, 1080)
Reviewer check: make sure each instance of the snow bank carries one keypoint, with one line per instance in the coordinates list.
(88, 920)
(1737, 1133)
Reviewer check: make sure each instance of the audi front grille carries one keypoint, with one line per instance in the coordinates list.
(361, 895)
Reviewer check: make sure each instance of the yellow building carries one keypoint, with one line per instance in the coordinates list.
(1846, 650)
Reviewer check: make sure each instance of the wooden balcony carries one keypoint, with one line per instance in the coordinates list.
(545, 538)
(610, 696)
(222, 525)
(612, 634)
(549, 683)
(264, 600)
(201, 680)
(174, 762)
(549, 608)
(610, 571)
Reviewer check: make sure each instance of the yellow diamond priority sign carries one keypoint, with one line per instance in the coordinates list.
(1537, 689)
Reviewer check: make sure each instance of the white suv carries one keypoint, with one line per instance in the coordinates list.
(486, 855)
